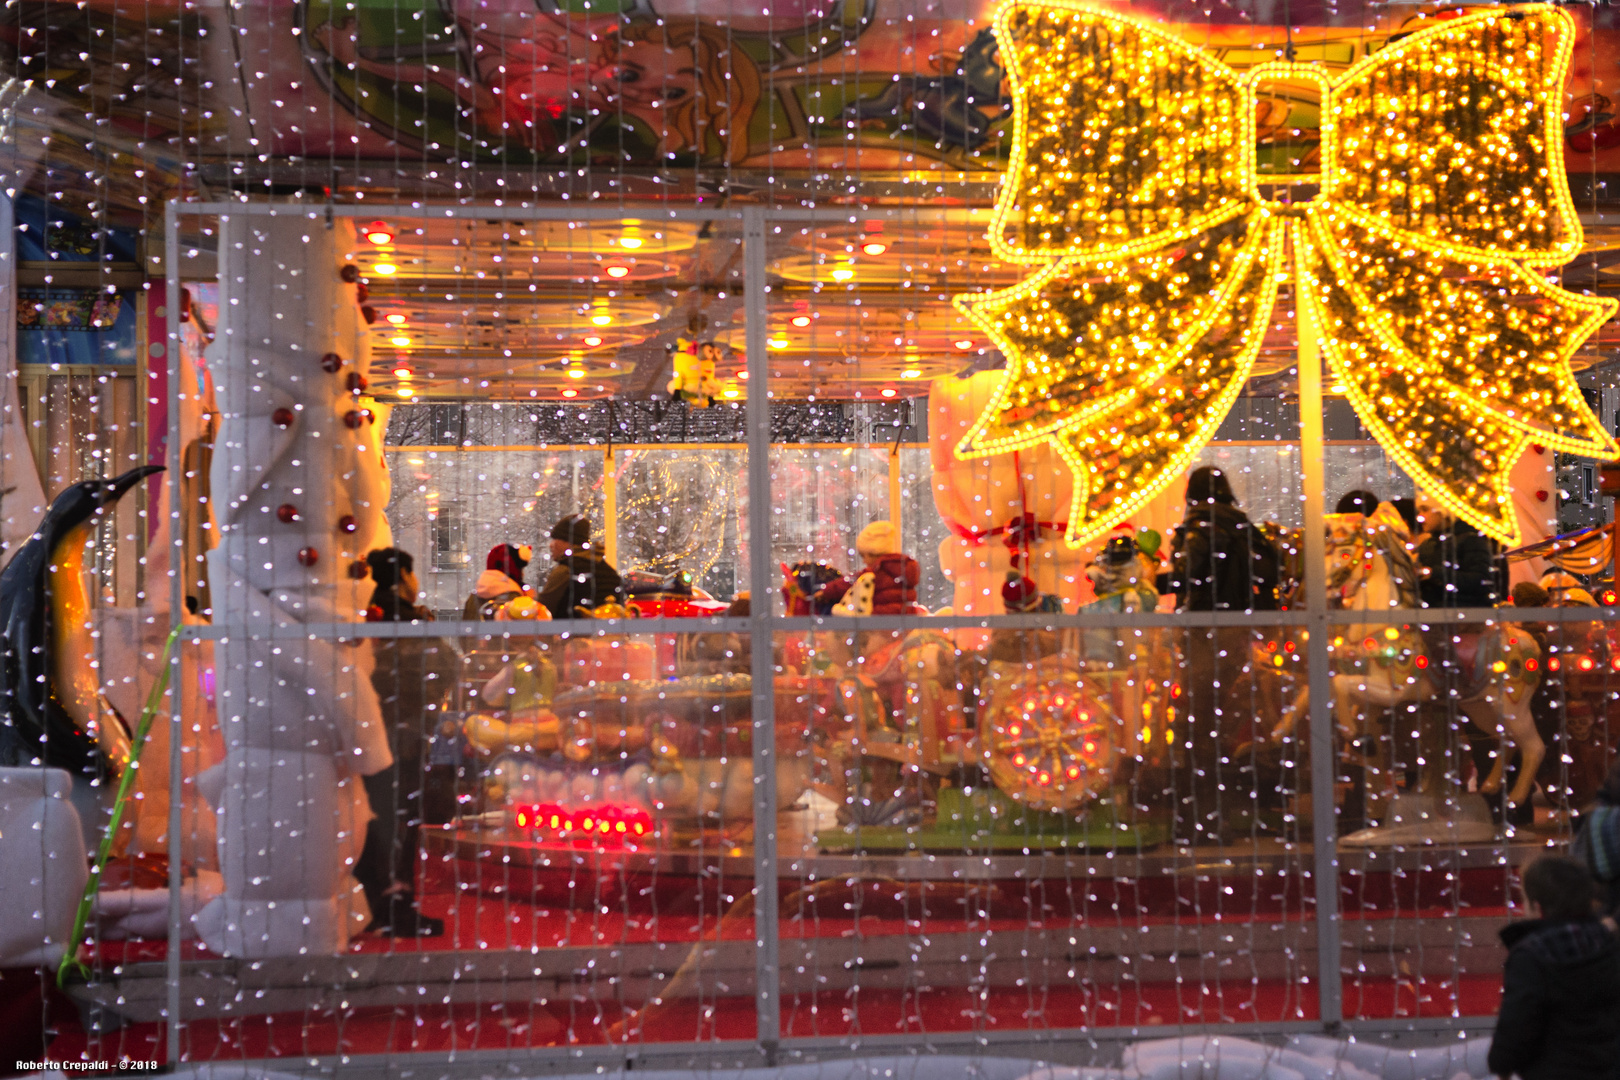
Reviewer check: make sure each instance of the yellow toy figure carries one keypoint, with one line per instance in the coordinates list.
(694, 381)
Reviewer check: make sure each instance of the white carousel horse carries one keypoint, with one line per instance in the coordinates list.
(1381, 666)
(1376, 666)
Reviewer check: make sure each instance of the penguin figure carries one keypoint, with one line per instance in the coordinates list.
(51, 712)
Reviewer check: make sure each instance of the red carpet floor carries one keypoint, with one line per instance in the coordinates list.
(523, 1025)
(510, 911)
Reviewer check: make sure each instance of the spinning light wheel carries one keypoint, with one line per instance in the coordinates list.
(1050, 741)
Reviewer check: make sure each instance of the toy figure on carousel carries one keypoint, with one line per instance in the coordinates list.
(1123, 573)
(694, 365)
(812, 588)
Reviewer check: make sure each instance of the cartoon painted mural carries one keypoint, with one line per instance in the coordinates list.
(647, 86)
(654, 83)
(881, 83)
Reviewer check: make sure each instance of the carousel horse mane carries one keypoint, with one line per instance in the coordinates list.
(1369, 564)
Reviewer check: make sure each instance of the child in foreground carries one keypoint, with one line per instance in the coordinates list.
(1560, 1016)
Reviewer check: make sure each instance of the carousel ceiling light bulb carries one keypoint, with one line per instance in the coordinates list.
(800, 320)
(602, 319)
(778, 343)
(617, 271)
(730, 392)
(963, 343)
(842, 273)
(379, 234)
(400, 340)
(593, 340)
(911, 373)
(403, 372)
(396, 319)
(576, 373)
(630, 243)
(570, 392)
(888, 391)
(405, 392)
(384, 269)
(874, 248)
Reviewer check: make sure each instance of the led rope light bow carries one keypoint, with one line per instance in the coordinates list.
(1440, 187)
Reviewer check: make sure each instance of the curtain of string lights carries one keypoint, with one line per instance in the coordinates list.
(430, 307)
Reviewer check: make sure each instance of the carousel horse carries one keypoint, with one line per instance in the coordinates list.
(1378, 667)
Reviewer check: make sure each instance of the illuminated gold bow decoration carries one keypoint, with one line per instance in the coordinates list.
(1440, 187)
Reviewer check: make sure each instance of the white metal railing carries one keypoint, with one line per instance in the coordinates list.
(756, 223)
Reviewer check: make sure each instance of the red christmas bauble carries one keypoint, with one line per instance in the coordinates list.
(308, 556)
(332, 362)
(356, 382)
(287, 513)
(349, 273)
(353, 418)
(347, 524)
(358, 569)
(282, 417)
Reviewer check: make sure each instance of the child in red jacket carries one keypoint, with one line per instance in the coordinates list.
(888, 585)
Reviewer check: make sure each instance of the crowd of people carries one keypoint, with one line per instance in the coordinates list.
(1218, 560)
(1221, 561)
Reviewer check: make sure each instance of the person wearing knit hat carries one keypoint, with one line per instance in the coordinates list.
(571, 531)
(878, 539)
(582, 576)
(501, 581)
(888, 585)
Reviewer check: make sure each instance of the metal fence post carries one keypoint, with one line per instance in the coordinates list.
(767, 988)
(177, 570)
(1324, 832)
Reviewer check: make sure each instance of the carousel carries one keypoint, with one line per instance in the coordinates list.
(878, 612)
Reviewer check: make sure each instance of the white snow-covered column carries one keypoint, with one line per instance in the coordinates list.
(299, 489)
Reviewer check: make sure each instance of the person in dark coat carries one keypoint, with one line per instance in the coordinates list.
(1460, 565)
(1597, 842)
(412, 676)
(582, 576)
(1560, 1014)
(1219, 562)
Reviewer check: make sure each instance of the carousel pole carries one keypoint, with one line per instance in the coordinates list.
(1324, 832)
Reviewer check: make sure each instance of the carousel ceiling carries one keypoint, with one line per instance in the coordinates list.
(863, 309)
(843, 104)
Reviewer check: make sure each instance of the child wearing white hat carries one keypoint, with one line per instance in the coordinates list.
(888, 585)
